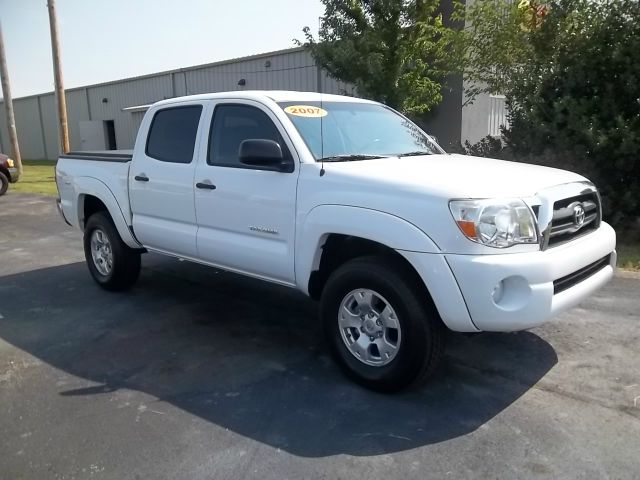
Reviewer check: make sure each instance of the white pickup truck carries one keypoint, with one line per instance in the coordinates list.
(353, 204)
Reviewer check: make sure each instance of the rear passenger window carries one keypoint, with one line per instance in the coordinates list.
(172, 136)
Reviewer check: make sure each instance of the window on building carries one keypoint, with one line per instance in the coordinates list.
(172, 136)
(232, 124)
(497, 115)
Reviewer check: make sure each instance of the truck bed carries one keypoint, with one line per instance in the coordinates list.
(104, 175)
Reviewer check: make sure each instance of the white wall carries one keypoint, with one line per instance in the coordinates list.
(483, 117)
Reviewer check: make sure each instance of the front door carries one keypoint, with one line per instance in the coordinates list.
(246, 223)
(161, 182)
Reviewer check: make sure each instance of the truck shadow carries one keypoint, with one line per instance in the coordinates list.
(249, 356)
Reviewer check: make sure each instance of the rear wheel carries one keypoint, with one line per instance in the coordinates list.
(383, 329)
(4, 184)
(113, 265)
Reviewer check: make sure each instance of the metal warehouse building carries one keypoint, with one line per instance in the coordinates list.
(107, 115)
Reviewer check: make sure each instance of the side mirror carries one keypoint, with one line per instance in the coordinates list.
(263, 153)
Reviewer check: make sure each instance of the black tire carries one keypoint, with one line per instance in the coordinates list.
(423, 334)
(126, 261)
(4, 184)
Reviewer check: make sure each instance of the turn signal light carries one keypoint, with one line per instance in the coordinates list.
(468, 228)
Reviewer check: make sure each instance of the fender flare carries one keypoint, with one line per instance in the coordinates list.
(324, 220)
(92, 186)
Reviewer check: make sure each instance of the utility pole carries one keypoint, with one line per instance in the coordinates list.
(57, 75)
(8, 106)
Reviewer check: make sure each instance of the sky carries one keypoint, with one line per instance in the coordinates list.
(104, 40)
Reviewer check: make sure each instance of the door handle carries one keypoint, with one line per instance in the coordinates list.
(207, 186)
(141, 178)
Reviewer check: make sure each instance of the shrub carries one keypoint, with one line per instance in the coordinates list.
(571, 79)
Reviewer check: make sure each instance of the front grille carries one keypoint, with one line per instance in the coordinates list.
(565, 225)
(576, 277)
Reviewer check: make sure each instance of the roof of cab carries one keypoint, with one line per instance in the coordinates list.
(275, 95)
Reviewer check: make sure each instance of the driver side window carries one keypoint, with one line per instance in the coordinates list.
(232, 124)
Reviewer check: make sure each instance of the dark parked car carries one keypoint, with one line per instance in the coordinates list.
(8, 173)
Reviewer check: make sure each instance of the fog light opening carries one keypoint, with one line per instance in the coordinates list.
(498, 292)
(511, 293)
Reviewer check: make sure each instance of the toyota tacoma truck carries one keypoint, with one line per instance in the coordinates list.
(353, 204)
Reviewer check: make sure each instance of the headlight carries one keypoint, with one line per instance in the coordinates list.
(495, 223)
(10, 163)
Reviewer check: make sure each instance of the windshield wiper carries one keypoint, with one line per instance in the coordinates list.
(349, 158)
(415, 154)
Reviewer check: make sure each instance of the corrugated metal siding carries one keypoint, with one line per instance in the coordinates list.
(136, 120)
(292, 69)
(28, 127)
(4, 133)
(287, 71)
(50, 122)
(179, 80)
(484, 117)
(331, 85)
(474, 118)
(497, 115)
(77, 111)
(125, 94)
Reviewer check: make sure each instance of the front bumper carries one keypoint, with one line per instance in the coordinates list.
(13, 175)
(506, 292)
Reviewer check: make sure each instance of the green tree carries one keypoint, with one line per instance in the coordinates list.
(394, 51)
(496, 42)
(570, 71)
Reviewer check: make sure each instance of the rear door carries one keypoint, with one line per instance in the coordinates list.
(247, 222)
(161, 180)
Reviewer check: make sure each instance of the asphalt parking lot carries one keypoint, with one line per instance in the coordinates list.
(196, 373)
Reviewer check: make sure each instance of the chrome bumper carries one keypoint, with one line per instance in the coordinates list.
(13, 175)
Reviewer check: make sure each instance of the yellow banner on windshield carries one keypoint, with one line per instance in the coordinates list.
(306, 111)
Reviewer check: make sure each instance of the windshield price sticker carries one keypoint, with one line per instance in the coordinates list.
(306, 111)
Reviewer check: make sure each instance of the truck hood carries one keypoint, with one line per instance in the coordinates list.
(455, 176)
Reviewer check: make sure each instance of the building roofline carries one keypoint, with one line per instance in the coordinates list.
(168, 72)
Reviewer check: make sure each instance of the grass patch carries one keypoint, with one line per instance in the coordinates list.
(38, 176)
(629, 256)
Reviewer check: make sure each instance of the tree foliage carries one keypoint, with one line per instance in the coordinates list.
(394, 51)
(496, 41)
(570, 70)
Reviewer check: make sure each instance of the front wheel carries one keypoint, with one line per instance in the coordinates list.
(113, 265)
(383, 329)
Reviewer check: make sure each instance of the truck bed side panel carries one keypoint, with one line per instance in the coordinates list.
(81, 175)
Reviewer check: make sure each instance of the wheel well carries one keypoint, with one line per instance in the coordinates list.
(339, 249)
(90, 206)
(6, 172)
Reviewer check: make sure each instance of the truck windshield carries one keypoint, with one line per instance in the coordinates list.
(347, 131)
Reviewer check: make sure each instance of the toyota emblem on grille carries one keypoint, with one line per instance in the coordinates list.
(578, 215)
